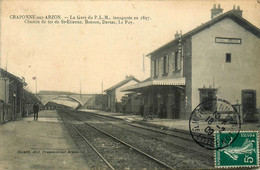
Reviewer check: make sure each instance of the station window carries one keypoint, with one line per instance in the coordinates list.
(228, 57)
(176, 60)
(155, 68)
(165, 64)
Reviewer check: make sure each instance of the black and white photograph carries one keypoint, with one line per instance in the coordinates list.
(119, 84)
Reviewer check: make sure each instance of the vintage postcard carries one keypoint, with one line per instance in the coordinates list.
(129, 84)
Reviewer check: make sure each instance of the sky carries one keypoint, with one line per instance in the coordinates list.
(64, 56)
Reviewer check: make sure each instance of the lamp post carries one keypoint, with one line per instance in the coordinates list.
(5, 79)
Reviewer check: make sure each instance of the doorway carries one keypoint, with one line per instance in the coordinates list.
(177, 103)
(248, 104)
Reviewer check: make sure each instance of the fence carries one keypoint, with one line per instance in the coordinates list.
(238, 108)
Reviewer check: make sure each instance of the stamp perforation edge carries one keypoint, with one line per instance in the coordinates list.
(239, 166)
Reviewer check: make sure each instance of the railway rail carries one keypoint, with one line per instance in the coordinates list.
(167, 133)
(91, 155)
(160, 163)
(172, 132)
(171, 149)
(100, 155)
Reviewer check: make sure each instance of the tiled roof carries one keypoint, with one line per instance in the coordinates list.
(122, 83)
(13, 76)
(164, 82)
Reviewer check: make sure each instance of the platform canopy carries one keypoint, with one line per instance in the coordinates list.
(163, 82)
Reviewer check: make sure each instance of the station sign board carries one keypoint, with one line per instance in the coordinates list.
(225, 40)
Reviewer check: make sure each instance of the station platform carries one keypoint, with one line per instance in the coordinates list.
(43, 144)
(169, 124)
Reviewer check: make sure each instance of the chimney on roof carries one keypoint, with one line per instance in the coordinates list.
(129, 76)
(237, 11)
(178, 35)
(216, 11)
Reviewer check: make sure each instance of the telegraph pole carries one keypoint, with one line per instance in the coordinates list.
(102, 88)
(143, 64)
(35, 78)
(143, 70)
(36, 85)
(80, 89)
(0, 35)
(6, 76)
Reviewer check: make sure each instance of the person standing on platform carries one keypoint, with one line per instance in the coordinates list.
(142, 109)
(35, 111)
(162, 110)
(124, 108)
(173, 108)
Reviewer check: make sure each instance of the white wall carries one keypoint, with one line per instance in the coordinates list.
(208, 60)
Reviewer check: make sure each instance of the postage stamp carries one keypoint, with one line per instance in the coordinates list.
(243, 152)
(216, 115)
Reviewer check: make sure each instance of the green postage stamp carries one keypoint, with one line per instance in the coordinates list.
(241, 149)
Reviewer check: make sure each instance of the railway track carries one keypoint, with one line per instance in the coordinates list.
(175, 152)
(174, 133)
(148, 159)
(96, 151)
(168, 132)
(91, 156)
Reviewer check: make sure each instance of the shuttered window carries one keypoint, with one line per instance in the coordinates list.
(179, 61)
(173, 61)
(157, 68)
(176, 60)
(153, 68)
(165, 65)
(162, 63)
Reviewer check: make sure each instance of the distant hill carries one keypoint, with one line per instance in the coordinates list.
(47, 92)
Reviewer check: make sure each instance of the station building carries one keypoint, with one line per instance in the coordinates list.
(97, 102)
(11, 96)
(114, 93)
(219, 58)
